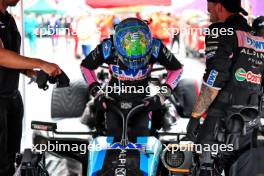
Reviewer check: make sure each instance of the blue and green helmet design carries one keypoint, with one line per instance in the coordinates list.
(133, 42)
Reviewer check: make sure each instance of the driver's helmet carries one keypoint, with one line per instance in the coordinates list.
(133, 41)
(258, 25)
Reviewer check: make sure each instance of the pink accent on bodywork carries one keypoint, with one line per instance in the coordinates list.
(173, 77)
(89, 75)
(150, 115)
(243, 38)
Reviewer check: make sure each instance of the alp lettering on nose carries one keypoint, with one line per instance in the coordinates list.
(120, 172)
(212, 77)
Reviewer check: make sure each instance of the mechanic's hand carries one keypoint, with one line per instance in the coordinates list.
(192, 128)
(154, 103)
(50, 68)
(31, 73)
(42, 78)
(62, 80)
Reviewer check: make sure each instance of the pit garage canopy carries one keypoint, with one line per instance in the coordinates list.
(125, 3)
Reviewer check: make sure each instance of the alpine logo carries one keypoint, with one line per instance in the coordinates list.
(118, 145)
(130, 74)
(242, 75)
(121, 167)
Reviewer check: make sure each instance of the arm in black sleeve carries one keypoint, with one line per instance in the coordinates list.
(219, 53)
(94, 59)
(169, 61)
(167, 58)
(90, 63)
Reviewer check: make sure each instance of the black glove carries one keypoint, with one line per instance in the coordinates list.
(192, 128)
(62, 80)
(42, 79)
(154, 103)
(101, 101)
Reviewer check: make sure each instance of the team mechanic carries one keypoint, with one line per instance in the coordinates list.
(11, 106)
(234, 71)
(130, 54)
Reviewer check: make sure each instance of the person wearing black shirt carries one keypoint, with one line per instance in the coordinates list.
(11, 105)
(233, 77)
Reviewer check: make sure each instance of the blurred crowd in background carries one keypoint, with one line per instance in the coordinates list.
(86, 30)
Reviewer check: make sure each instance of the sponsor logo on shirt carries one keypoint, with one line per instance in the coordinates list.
(252, 52)
(212, 77)
(176, 81)
(130, 74)
(255, 61)
(257, 45)
(210, 54)
(211, 48)
(241, 75)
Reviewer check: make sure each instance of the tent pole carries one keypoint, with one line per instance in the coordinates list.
(23, 81)
(22, 27)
